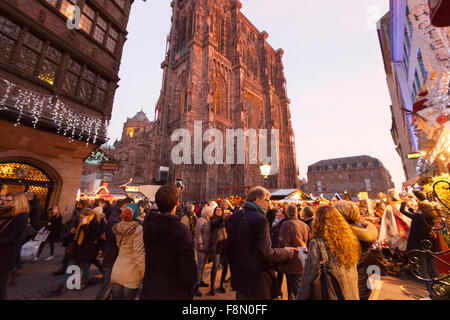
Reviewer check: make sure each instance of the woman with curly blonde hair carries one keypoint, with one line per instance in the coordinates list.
(336, 247)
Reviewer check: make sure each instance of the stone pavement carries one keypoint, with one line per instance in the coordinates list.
(36, 280)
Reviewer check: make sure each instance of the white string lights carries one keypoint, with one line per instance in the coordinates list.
(70, 123)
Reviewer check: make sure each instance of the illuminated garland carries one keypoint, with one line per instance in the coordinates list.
(67, 120)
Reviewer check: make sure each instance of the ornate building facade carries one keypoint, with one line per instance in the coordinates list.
(220, 70)
(133, 151)
(58, 77)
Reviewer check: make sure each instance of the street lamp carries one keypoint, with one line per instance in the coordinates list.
(265, 171)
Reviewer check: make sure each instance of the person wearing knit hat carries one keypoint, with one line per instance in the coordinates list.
(129, 267)
(133, 210)
(366, 233)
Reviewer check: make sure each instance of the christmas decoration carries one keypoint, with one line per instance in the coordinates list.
(70, 123)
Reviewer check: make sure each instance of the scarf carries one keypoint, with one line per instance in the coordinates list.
(79, 235)
(255, 207)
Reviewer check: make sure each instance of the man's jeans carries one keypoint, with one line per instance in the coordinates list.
(120, 292)
(105, 289)
(293, 282)
(201, 262)
(428, 270)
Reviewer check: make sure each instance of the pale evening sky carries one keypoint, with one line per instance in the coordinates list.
(332, 63)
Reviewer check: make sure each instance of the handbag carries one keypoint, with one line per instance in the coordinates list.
(325, 286)
(42, 235)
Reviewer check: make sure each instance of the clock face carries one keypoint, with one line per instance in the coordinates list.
(21, 172)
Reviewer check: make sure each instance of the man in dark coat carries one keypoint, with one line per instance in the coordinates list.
(111, 249)
(250, 249)
(170, 269)
(293, 233)
(35, 210)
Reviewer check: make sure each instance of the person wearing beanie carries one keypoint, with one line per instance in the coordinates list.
(129, 268)
(366, 233)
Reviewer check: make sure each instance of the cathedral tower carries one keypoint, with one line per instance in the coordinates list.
(220, 70)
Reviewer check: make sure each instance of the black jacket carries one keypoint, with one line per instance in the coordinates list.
(251, 255)
(35, 213)
(10, 242)
(54, 227)
(111, 249)
(87, 251)
(419, 227)
(170, 270)
(275, 232)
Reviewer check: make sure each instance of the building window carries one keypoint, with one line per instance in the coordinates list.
(87, 85)
(350, 176)
(9, 33)
(50, 66)
(363, 186)
(352, 187)
(112, 39)
(29, 53)
(422, 65)
(66, 9)
(72, 77)
(335, 166)
(361, 175)
(372, 175)
(52, 2)
(100, 30)
(120, 3)
(87, 19)
(365, 164)
(100, 94)
(344, 166)
(354, 165)
(416, 77)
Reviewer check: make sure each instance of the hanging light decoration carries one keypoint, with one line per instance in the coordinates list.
(39, 106)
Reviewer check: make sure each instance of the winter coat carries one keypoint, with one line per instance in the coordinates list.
(366, 233)
(292, 233)
(87, 250)
(35, 213)
(419, 225)
(54, 226)
(10, 242)
(111, 249)
(170, 269)
(190, 220)
(218, 236)
(347, 277)
(275, 233)
(308, 222)
(251, 255)
(202, 232)
(129, 267)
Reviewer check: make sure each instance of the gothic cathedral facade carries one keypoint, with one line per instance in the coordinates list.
(225, 74)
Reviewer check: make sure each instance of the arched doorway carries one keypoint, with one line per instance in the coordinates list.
(23, 177)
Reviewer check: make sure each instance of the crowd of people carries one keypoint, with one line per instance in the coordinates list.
(153, 251)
